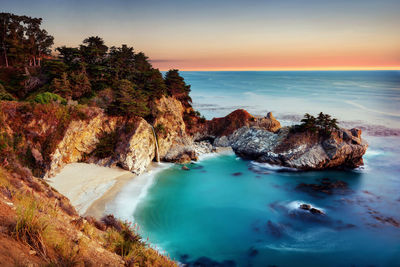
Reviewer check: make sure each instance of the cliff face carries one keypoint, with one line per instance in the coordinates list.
(134, 146)
(175, 144)
(80, 138)
(137, 148)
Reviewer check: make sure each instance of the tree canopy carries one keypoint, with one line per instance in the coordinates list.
(117, 79)
(22, 41)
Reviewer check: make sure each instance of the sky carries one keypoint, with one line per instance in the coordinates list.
(232, 35)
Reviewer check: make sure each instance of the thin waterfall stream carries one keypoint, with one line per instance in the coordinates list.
(155, 138)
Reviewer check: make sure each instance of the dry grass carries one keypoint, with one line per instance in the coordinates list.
(126, 242)
(31, 228)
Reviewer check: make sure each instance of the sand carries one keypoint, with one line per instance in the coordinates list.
(84, 184)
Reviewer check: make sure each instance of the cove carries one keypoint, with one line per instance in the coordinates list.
(230, 211)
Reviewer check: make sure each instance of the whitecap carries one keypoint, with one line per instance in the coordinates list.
(270, 167)
(295, 205)
(373, 153)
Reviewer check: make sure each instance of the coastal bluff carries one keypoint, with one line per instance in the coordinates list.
(174, 135)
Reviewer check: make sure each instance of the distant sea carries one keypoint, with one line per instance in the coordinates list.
(235, 212)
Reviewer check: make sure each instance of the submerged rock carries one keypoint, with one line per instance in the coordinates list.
(185, 168)
(326, 186)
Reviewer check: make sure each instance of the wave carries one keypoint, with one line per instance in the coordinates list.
(295, 206)
(210, 155)
(126, 202)
(270, 167)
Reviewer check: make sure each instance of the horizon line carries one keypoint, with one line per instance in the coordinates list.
(289, 69)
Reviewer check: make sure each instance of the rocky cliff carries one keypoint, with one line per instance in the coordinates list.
(46, 137)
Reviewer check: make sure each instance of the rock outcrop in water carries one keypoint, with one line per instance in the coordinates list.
(300, 150)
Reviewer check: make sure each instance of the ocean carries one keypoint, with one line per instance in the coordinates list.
(236, 212)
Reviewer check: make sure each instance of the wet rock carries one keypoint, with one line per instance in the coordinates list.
(185, 168)
(305, 206)
(316, 211)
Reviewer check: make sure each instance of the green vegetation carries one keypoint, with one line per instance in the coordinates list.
(81, 73)
(47, 97)
(160, 129)
(324, 123)
(177, 87)
(106, 146)
(4, 95)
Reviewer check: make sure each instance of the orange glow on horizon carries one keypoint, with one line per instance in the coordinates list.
(289, 69)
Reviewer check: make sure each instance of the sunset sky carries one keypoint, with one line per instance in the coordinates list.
(232, 35)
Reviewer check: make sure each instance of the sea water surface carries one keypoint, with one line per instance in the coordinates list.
(230, 211)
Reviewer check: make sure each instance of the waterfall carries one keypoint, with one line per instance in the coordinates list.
(155, 138)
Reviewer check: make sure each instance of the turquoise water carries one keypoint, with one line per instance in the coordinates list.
(230, 211)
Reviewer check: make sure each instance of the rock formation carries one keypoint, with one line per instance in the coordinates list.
(300, 150)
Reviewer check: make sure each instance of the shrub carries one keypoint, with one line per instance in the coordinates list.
(160, 129)
(106, 146)
(47, 97)
(4, 95)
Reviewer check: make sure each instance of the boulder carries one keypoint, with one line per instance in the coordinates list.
(305, 206)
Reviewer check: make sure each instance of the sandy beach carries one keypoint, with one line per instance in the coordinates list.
(96, 190)
(87, 184)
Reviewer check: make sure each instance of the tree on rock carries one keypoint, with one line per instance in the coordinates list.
(324, 123)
